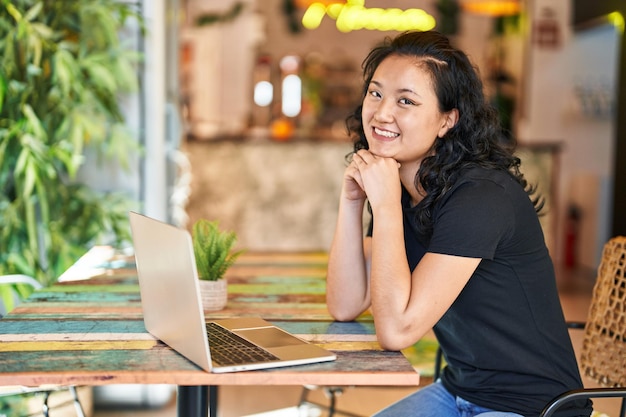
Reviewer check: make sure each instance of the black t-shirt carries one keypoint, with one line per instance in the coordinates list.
(504, 337)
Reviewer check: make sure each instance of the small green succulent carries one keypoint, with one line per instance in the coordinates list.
(213, 249)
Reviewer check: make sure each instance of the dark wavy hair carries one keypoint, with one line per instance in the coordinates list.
(477, 139)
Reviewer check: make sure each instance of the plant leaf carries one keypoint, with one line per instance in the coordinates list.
(213, 249)
(14, 12)
(3, 90)
(32, 13)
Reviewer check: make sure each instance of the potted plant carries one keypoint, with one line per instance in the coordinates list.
(63, 70)
(213, 249)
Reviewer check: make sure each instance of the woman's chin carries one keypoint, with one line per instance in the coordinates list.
(380, 152)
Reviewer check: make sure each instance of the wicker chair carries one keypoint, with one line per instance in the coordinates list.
(603, 356)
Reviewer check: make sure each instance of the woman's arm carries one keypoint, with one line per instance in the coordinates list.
(347, 282)
(405, 305)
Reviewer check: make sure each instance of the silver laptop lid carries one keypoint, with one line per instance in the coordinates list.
(170, 295)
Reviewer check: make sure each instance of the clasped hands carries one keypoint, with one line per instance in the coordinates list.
(373, 177)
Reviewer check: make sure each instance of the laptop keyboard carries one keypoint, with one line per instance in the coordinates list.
(229, 349)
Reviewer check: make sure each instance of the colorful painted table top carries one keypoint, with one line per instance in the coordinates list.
(90, 332)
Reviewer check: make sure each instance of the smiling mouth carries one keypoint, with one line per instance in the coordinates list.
(385, 133)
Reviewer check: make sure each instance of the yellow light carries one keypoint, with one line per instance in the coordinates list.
(414, 17)
(371, 18)
(361, 20)
(353, 15)
(333, 10)
(347, 19)
(492, 7)
(617, 20)
(313, 16)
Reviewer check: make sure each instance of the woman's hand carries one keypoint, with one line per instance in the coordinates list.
(352, 183)
(379, 177)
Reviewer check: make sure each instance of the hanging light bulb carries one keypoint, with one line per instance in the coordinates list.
(354, 15)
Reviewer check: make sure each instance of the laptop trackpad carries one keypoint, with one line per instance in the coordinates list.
(269, 337)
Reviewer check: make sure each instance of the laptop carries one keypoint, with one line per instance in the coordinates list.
(173, 313)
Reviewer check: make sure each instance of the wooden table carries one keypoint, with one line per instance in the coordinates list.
(91, 332)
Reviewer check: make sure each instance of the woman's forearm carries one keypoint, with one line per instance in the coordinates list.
(347, 288)
(390, 276)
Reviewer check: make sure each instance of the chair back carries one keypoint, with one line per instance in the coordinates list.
(603, 355)
(9, 296)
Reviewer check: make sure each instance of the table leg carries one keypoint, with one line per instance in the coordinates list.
(213, 400)
(197, 401)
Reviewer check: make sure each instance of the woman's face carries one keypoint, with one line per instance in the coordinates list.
(401, 116)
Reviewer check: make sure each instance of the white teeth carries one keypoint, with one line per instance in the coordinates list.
(385, 133)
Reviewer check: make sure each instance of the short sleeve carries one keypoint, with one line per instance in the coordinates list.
(473, 220)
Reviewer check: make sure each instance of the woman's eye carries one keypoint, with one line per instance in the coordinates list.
(406, 101)
(374, 93)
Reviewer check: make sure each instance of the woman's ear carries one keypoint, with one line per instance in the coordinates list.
(449, 121)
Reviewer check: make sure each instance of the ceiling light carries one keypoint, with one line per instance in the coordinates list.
(353, 15)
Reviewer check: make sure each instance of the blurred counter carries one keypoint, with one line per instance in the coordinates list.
(283, 196)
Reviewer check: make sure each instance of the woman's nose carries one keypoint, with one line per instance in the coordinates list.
(383, 112)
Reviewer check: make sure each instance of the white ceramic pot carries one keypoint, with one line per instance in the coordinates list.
(214, 294)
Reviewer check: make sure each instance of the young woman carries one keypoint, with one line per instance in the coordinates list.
(454, 244)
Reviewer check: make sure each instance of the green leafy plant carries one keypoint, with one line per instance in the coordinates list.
(63, 70)
(213, 249)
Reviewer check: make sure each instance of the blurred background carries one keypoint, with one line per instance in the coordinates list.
(232, 68)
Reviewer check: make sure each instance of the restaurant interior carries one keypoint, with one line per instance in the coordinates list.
(253, 94)
(556, 80)
(260, 107)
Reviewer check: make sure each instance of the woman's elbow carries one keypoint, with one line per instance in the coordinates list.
(341, 314)
(390, 340)
(342, 309)
(387, 344)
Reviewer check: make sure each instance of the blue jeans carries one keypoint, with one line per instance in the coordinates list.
(435, 401)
